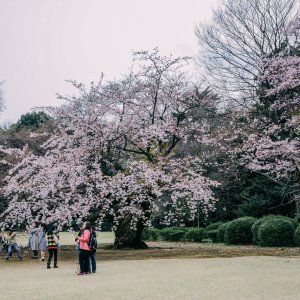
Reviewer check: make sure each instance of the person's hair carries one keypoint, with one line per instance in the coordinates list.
(51, 229)
(88, 225)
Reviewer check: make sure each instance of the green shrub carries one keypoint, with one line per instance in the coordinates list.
(211, 231)
(194, 234)
(258, 223)
(238, 232)
(172, 234)
(297, 236)
(276, 232)
(221, 232)
(106, 226)
(150, 234)
(212, 234)
(213, 226)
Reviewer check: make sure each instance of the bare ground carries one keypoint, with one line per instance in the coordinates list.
(164, 271)
(216, 278)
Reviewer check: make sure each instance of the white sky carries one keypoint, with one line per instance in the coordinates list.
(45, 42)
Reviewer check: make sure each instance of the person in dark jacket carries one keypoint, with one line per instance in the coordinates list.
(93, 254)
(52, 246)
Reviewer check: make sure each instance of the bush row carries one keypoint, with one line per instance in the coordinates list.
(174, 234)
(268, 231)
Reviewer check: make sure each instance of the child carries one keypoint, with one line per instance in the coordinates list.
(53, 243)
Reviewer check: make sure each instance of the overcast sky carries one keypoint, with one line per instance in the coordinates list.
(45, 42)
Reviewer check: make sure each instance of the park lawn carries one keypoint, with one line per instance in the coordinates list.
(177, 279)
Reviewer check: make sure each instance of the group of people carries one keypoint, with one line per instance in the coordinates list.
(41, 237)
(44, 237)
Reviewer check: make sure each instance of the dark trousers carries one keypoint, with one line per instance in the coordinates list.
(84, 261)
(51, 253)
(93, 261)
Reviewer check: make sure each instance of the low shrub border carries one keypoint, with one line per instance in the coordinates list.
(238, 232)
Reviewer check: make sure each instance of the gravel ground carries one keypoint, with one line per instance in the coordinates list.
(214, 278)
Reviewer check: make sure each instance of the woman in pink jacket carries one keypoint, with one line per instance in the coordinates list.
(85, 251)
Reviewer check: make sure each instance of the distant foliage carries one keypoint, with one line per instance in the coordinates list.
(32, 120)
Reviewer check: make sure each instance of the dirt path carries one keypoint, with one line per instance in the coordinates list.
(215, 278)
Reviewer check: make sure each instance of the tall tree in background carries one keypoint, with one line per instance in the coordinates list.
(241, 34)
(273, 146)
(27, 134)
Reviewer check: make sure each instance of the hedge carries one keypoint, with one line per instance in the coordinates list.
(258, 223)
(150, 234)
(211, 231)
(213, 226)
(238, 232)
(194, 234)
(276, 232)
(172, 234)
(297, 236)
(221, 232)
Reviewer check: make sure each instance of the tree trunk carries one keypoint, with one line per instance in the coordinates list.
(127, 237)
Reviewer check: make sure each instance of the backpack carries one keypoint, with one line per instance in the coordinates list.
(93, 241)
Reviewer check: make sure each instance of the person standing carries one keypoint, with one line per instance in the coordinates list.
(52, 245)
(10, 237)
(42, 241)
(33, 242)
(84, 252)
(93, 251)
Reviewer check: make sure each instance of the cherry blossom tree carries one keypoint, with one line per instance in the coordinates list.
(112, 155)
(273, 147)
